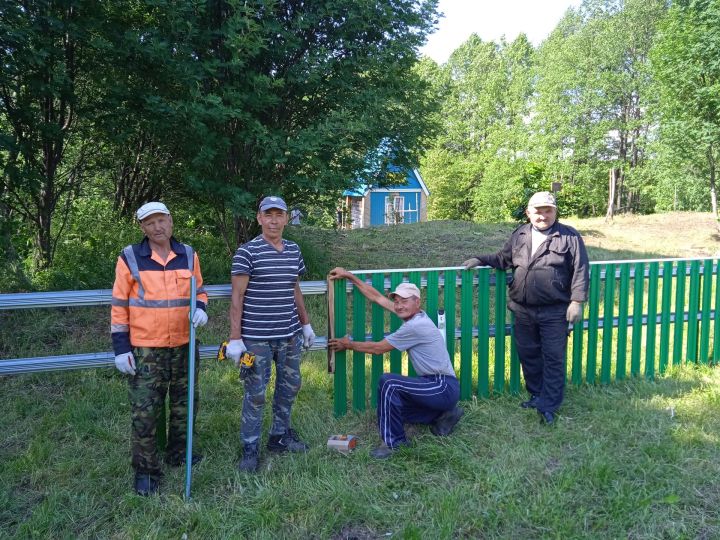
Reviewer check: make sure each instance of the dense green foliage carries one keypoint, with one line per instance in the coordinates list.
(209, 106)
(624, 90)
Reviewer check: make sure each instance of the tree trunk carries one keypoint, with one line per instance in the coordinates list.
(611, 196)
(713, 187)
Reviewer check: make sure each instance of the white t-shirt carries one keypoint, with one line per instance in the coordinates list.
(424, 344)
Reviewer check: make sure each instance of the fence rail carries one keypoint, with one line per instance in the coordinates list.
(101, 297)
(680, 297)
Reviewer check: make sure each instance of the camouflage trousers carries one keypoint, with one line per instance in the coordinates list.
(286, 355)
(159, 371)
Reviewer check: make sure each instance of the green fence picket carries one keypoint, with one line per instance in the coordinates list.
(483, 332)
(500, 308)
(623, 321)
(608, 315)
(466, 333)
(378, 334)
(340, 375)
(705, 312)
(514, 359)
(638, 286)
(396, 278)
(693, 310)
(358, 367)
(716, 331)
(432, 295)
(416, 279)
(449, 306)
(680, 280)
(667, 285)
(593, 309)
(651, 328)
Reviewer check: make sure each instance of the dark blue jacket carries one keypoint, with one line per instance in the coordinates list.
(557, 274)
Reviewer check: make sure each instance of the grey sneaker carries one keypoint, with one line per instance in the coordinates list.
(249, 461)
(287, 442)
(384, 451)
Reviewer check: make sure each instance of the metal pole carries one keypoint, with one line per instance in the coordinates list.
(191, 390)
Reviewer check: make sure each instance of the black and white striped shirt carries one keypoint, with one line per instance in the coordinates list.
(269, 310)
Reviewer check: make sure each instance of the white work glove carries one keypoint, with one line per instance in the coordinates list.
(471, 263)
(308, 336)
(125, 363)
(200, 318)
(234, 350)
(574, 312)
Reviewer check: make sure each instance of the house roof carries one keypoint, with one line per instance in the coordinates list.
(415, 183)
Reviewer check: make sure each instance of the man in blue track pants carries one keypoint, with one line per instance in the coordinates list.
(432, 396)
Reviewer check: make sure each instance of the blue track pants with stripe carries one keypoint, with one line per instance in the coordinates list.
(412, 400)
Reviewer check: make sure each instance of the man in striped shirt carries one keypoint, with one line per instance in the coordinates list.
(268, 319)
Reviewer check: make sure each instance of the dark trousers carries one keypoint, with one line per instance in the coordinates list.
(159, 371)
(412, 400)
(541, 335)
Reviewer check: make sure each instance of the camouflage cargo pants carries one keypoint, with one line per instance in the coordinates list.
(286, 355)
(159, 370)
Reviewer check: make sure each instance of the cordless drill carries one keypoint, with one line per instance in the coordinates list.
(247, 360)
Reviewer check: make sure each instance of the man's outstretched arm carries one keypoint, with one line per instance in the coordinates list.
(368, 291)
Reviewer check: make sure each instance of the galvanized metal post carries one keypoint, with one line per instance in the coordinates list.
(191, 389)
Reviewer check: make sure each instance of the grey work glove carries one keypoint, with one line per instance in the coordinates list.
(234, 350)
(471, 263)
(125, 363)
(574, 312)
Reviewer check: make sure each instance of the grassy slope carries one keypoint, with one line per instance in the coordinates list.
(636, 459)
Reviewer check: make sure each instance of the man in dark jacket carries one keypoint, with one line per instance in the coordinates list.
(549, 285)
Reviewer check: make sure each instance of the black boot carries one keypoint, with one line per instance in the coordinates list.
(443, 425)
(146, 484)
(287, 442)
(250, 458)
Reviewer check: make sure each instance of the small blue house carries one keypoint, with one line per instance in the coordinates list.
(367, 206)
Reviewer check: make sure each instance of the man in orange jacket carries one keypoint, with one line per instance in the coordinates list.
(150, 329)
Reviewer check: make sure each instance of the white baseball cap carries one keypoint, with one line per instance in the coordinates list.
(405, 290)
(151, 208)
(542, 198)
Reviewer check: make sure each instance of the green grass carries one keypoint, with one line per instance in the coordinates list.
(634, 459)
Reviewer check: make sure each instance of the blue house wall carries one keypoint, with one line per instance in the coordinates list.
(377, 205)
(367, 205)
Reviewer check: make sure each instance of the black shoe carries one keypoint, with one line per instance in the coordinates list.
(445, 423)
(175, 460)
(287, 442)
(531, 403)
(546, 417)
(249, 461)
(146, 484)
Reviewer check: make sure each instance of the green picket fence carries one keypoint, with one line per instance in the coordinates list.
(641, 318)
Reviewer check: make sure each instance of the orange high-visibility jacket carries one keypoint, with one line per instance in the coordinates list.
(151, 298)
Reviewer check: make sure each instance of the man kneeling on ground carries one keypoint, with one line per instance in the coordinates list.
(432, 396)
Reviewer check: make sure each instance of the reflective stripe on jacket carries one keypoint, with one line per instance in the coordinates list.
(151, 299)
